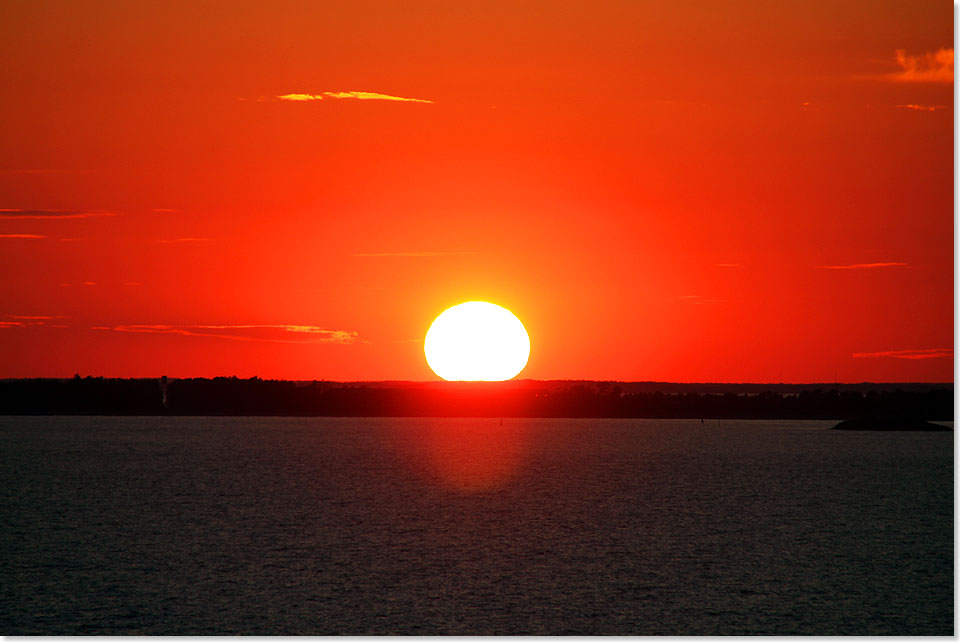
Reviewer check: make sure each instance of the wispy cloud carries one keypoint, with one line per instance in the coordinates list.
(24, 320)
(22, 236)
(186, 239)
(928, 353)
(300, 98)
(414, 254)
(164, 210)
(930, 67)
(276, 333)
(352, 95)
(51, 214)
(370, 95)
(861, 266)
(916, 107)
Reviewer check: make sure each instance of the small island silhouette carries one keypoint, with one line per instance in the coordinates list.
(911, 424)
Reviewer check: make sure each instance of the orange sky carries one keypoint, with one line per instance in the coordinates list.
(684, 191)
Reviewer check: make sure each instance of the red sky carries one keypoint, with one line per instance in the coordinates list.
(683, 191)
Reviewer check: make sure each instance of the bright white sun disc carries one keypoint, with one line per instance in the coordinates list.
(477, 341)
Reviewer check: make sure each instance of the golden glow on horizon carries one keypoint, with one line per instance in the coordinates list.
(477, 341)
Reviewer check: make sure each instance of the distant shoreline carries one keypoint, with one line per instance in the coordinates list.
(632, 386)
(231, 396)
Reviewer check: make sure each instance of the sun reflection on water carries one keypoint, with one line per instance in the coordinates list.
(470, 455)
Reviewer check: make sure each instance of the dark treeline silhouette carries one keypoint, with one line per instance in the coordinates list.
(233, 396)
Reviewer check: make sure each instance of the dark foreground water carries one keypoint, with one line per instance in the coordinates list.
(147, 525)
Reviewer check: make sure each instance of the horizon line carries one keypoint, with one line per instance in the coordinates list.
(525, 380)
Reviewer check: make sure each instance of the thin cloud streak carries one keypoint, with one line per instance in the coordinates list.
(23, 320)
(370, 95)
(861, 266)
(50, 214)
(300, 98)
(350, 95)
(916, 107)
(22, 236)
(929, 353)
(187, 239)
(249, 332)
(929, 67)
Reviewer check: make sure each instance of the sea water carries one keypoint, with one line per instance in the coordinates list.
(203, 525)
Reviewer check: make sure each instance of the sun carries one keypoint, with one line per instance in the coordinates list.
(477, 341)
